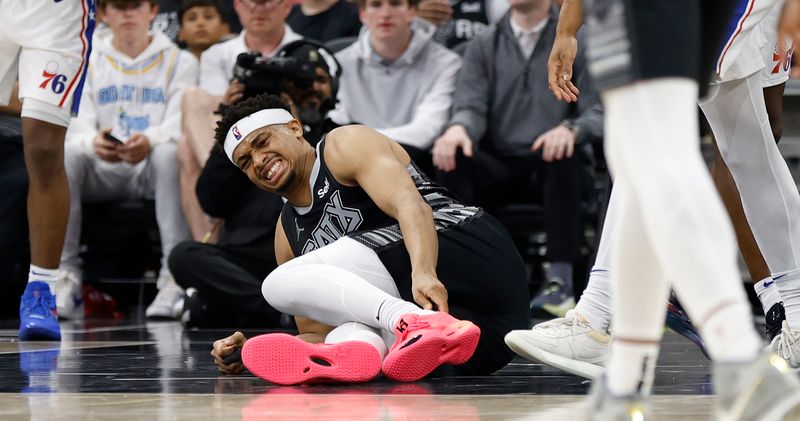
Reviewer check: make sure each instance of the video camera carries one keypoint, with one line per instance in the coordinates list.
(261, 74)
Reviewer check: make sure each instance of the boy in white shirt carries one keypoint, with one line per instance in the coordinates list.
(133, 94)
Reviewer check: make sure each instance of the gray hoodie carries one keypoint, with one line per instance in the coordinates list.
(407, 100)
(502, 97)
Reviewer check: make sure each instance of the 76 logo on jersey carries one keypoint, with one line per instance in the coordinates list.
(56, 82)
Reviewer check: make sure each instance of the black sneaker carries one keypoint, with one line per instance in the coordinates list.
(195, 310)
(774, 318)
(553, 300)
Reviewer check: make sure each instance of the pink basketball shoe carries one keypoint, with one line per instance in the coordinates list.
(285, 359)
(427, 341)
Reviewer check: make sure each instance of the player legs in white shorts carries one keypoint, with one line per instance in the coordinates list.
(46, 44)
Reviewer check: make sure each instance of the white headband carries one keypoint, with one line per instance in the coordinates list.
(253, 122)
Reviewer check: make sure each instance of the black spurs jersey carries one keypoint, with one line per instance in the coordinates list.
(338, 210)
(470, 18)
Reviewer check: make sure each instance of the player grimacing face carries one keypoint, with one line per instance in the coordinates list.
(270, 156)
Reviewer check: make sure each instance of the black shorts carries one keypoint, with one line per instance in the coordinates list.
(632, 40)
(486, 284)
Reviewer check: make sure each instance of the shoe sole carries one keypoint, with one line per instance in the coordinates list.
(522, 347)
(421, 354)
(287, 360)
(38, 333)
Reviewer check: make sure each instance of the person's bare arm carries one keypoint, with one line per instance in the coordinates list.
(789, 24)
(565, 47)
(360, 155)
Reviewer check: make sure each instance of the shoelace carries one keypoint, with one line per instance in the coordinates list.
(555, 324)
(40, 302)
(788, 338)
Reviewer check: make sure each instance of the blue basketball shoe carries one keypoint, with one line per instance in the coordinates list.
(38, 319)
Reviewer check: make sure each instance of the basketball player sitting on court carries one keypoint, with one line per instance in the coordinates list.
(364, 236)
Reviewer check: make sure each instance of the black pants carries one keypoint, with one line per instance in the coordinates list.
(228, 279)
(491, 181)
(486, 284)
(14, 225)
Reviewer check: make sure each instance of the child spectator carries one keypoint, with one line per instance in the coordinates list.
(201, 25)
(133, 92)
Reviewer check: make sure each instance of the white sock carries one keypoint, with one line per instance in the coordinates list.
(634, 366)
(390, 311)
(767, 293)
(788, 284)
(595, 302)
(355, 331)
(48, 276)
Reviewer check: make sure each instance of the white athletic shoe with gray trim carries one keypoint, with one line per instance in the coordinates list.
(602, 405)
(168, 303)
(69, 294)
(569, 343)
(786, 344)
(765, 389)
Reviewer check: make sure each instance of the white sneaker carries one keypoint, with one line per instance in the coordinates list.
(604, 406)
(69, 294)
(765, 389)
(786, 344)
(569, 343)
(168, 303)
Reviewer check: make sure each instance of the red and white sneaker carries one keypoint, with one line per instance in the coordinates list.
(285, 359)
(427, 341)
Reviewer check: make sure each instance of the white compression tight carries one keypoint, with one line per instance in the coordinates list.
(670, 225)
(738, 116)
(343, 284)
(771, 202)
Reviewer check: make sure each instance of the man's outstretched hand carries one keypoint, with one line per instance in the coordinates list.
(559, 68)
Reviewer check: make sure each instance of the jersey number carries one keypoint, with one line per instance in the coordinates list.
(58, 80)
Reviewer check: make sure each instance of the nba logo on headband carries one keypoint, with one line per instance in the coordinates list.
(236, 133)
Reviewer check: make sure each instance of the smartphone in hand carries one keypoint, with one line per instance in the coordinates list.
(111, 137)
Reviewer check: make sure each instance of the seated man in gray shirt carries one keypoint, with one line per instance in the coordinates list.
(509, 137)
(396, 79)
